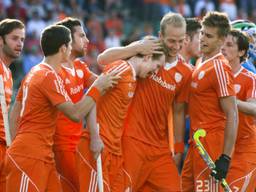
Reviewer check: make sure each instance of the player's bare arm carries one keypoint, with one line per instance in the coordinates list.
(228, 105)
(248, 107)
(179, 129)
(96, 144)
(80, 109)
(144, 47)
(14, 118)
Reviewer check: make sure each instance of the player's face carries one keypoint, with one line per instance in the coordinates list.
(80, 42)
(209, 40)
(193, 45)
(173, 38)
(149, 65)
(230, 49)
(12, 43)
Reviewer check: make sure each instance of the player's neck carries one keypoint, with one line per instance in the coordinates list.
(235, 65)
(185, 55)
(206, 56)
(54, 61)
(171, 59)
(5, 59)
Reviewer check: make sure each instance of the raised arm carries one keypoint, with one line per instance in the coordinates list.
(144, 47)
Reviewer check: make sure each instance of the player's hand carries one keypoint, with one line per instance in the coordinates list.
(222, 166)
(177, 159)
(96, 146)
(148, 46)
(107, 80)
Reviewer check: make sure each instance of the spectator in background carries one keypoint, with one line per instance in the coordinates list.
(35, 25)
(200, 5)
(229, 7)
(33, 54)
(112, 40)
(183, 8)
(17, 10)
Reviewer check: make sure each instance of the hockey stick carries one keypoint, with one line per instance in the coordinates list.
(203, 153)
(99, 169)
(4, 112)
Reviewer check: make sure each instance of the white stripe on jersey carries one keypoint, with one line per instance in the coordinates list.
(24, 178)
(120, 68)
(93, 181)
(221, 77)
(253, 95)
(24, 183)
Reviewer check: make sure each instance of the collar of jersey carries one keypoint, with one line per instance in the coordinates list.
(200, 64)
(168, 66)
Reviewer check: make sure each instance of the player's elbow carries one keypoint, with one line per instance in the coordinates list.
(101, 59)
(74, 117)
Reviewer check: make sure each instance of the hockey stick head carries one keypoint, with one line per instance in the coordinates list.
(199, 133)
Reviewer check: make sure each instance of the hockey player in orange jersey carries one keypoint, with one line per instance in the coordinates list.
(111, 112)
(12, 36)
(147, 156)
(212, 107)
(76, 78)
(29, 162)
(242, 173)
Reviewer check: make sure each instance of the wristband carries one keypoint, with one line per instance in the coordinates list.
(94, 93)
(179, 147)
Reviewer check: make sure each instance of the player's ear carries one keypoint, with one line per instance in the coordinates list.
(63, 48)
(241, 53)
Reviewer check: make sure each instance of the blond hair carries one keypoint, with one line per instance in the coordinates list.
(174, 19)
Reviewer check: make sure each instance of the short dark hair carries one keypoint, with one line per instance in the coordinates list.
(218, 20)
(8, 25)
(242, 41)
(193, 25)
(70, 23)
(53, 37)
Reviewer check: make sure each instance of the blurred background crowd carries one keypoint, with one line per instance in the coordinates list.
(108, 23)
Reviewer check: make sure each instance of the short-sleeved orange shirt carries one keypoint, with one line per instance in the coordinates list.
(211, 80)
(75, 80)
(112, 107)
(41, 90)
(245, 88)
(147, 118)
(7, 80)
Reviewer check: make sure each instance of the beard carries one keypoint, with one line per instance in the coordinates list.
(9, 52)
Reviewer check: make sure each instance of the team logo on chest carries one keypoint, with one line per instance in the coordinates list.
(201, 75)
(67, 81)
(80, 73)
(237, 88)
(178, 77)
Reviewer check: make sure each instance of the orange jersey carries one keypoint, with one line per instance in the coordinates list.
(41, 90)
(113, 106)
(147, 118)
(6, 74)
(211, 80)
(76, 80)
(245, 88)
